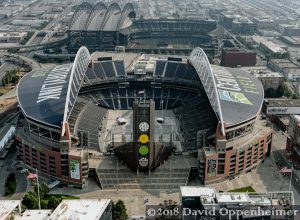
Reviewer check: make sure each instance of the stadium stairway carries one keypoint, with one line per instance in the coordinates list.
(169, 176)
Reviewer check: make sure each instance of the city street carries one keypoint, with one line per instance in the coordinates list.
(7, 167)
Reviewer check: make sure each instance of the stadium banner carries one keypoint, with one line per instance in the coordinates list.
(75, 169)
(212, 168)
(283, 110)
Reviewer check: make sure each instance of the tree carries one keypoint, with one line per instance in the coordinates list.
(30, 200)
(44, 204)
(44, 190)
(284, 91)
(294, 96)
(119, 211)
(53, 202)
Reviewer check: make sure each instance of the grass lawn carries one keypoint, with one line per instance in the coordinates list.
(244, 189)
(61, 196)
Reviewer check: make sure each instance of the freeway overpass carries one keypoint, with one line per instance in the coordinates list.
(35, 46)
(32, 63)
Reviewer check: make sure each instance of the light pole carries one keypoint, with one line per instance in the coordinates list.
(162, 109)
(38, 188)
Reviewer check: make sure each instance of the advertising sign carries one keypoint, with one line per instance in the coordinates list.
(283, 110)
(75, 169)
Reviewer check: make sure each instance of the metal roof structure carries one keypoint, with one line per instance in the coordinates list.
(47, 95)
(101, 18)
(200, 62)
(235, 95)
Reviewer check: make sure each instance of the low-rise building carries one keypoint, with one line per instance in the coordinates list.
(34, 214)
(226, 19)
(271, 48)
(9, 207)
(83, 209)
(290, 71)
(281, 106)
(294, 41)
(207, 202)
(293, 139)
(264, 23)
(233, 57)
(29, 22)
(243, 25)
(79, 209)
(12, 37)
(270, 80)
(289, 29)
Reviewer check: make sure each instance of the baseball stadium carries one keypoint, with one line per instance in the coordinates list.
(141, 121)
(102, 28)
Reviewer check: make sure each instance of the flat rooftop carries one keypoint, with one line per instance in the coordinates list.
(275, 48)
(83, 209)
(195, 191)
(282, 102)
(284, 63)
(233, 198)
(34, 215)
(269, 74)
(7, 206)
(209, 196)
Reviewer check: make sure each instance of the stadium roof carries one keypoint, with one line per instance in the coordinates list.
(241, 94)
(40, 101)
(235, 95)
(47, 95)
(102, 18)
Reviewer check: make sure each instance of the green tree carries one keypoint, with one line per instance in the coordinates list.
(53, 202)
(119, 211)
(284, 91)
(30, 200)
(44, 190)
(294, 96)
(44, 204)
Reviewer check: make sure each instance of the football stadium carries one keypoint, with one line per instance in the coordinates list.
(141, 121)
(102, 28)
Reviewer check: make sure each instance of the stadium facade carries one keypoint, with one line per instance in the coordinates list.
(102, 28)
(73, 110)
